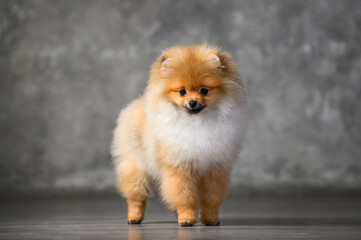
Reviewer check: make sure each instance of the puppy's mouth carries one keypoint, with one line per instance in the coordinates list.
(194, 110)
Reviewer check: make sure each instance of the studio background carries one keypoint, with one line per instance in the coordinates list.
(67, 68)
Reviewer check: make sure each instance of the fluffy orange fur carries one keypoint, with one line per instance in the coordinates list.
(144, 158)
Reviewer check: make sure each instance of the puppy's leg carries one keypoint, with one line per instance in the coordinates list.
(135, 187)
(179, 190)
(212, 190)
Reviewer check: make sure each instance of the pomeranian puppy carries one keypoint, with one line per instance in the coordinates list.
(183, 134)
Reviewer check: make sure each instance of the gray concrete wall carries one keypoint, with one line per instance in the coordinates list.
(68, 67)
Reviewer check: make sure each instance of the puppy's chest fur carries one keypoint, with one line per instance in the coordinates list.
(201, 139)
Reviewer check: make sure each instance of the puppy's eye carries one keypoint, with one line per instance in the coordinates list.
(182, 92)
(204, 91)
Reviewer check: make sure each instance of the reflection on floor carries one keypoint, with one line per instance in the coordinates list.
(246, 218)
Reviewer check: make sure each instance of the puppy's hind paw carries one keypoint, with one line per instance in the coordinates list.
(186, 224)
(134, 221)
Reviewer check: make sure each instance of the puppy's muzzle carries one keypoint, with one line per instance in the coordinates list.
(194, 107)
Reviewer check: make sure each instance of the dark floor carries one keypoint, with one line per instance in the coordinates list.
(242, 218)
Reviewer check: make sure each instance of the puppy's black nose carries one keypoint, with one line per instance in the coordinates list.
(192, 103)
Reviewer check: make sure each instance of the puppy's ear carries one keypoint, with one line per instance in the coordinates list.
(166, 62)
(225, 58)
(216, 60)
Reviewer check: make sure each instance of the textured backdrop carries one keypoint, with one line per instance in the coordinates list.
(68, 67)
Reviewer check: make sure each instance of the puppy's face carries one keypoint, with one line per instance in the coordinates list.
(192, 77)
(194, 97)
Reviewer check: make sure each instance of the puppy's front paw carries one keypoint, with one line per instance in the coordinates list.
(187, 219)
(134, 221)
(216, 223)
(185, 224)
